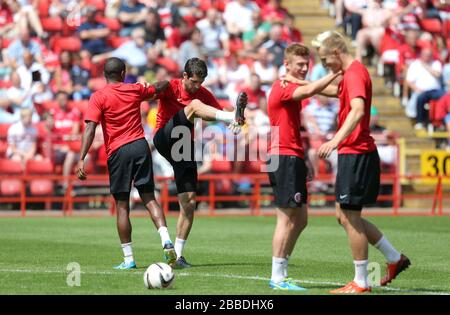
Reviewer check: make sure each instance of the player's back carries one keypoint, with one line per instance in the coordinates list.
(119, 105)
(284, 115)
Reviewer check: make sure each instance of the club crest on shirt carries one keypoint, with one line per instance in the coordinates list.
(298, 197)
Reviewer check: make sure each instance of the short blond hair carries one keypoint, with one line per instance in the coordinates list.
(330, 40)
(296, 49)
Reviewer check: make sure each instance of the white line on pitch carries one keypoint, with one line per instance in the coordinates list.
(213, 275)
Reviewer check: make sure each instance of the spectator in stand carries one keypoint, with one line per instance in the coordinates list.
(64, 8)
(20, 98)
(191, 48)
(22, 139)
(132, 15)
(408, 52)
(374, 19)
(354, 9)
(256, 97)
(443, 112)
(274, 12)
(133, 52)
(34, 78)
(154, 33)
(93, 34)
(257, 34)
(276, 45)
(5, 68)
(320, 117)
(265, 69)
(423, 77)
(384, 140)
(5, 115)
(67, 127)
(148, 71)
(7, 25)
(80, 79)
(17, 48)
(26, 16)
(291, 34)
(212, 81)
(61, 77)
(446, 74)
(169, 14)
(215, 36)
(233, 75)
(238, 16)
(189, 11)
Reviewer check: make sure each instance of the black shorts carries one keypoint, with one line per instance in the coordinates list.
(132, 162)
(358, 179)
(184, 166)
(289, 182)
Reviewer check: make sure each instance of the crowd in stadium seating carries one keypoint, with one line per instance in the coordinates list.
(410, 40)
(52, 54)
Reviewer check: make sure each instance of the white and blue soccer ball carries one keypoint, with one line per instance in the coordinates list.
(158, 276)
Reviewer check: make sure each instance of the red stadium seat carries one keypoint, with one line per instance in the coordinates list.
(113, 24)
(43, 7)
(4, 131)
(221, 166)
(447, 29)
(40, 187)
(5, 84)
(70, 43)
(52, 24)
(431, 25)
(49, 105)
(116, 41)
(5, 42)
(10, 186)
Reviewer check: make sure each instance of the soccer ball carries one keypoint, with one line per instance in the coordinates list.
(158, 276)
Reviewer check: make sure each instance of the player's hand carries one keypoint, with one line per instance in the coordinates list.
(284, 80)
(326, 149)
(161, 86)
(235, 127)
(81, 173)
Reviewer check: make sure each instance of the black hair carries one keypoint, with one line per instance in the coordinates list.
(196, 66)
(113, 69)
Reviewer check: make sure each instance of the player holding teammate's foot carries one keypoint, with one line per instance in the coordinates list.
(117, 108)
(358, 176)
(184, 100)
(287, 169)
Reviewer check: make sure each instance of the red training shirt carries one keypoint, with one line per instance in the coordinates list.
(175, 98)
(64, 121)
(356, 83)
(118, 107)
(284, 115)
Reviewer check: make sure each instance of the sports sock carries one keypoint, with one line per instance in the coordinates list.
(127, 252)
(164, 234)
(361, 273)
(384, 246)
(224, 116)
(278, 268)
(179, 246)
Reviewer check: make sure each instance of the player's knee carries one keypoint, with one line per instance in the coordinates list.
(188, 207)
(192, 108)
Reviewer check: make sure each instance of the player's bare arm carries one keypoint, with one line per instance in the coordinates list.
(88, 138)
(305, 91)
(354, 117)
(331, 90)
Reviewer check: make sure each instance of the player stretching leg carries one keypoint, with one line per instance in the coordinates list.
(358, 176)
(184, 100)
(117, 108)
(288, 180)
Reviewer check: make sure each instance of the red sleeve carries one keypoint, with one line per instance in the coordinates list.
(209, 99)
(146, 92)
(95, 108)
(287, 92)
(356, 86)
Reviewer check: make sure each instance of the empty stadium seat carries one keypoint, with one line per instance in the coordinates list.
(10, 186)
(3, 138)
(431, 25)
(70, 43)
(52, 24)
(41, 186)
(43, 7)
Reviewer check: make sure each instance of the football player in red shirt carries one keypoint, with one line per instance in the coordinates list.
(117, 107)
(184, 100)
(287, 169)
(358, 176)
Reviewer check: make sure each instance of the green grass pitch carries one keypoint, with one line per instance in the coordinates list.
(231, 255)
